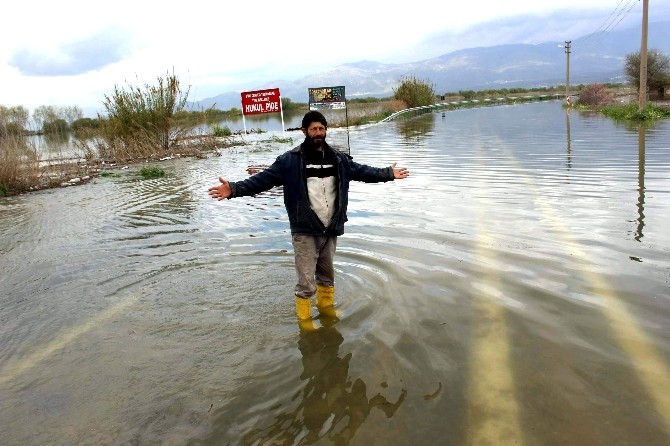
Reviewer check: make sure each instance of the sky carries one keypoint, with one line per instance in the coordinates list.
(74, 52)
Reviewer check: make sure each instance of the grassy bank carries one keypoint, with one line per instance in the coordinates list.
(632, 112)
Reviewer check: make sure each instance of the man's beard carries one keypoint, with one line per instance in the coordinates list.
(312, 144)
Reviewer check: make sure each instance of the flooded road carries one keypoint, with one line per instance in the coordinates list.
(514, 290)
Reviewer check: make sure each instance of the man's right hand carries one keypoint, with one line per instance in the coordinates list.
(221, 191)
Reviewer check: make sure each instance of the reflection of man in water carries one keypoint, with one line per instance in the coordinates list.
(316, 179)
(332, 405)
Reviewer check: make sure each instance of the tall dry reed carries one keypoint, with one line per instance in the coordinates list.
(19, 165)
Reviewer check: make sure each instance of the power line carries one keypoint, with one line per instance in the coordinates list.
(632, 4)
(608, 18)
(622, 13)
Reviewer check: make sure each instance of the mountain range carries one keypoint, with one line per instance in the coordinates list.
(598, 57)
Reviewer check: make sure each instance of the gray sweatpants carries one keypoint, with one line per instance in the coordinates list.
(313, 262)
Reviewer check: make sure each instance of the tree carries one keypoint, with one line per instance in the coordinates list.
(13, 120)
(414, 92)
(84, 123)
(58, 125)
(71, 113)
(44, 114)
(50, 118)
(287, 104)
(658, 70)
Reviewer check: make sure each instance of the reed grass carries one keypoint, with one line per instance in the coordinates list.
(19, 165)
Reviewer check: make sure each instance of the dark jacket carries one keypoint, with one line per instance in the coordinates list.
(288, 170)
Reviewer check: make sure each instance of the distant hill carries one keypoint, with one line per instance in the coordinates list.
(597, 57)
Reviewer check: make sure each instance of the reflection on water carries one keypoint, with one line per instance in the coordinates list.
(512, 291)
(568, 163)
(640, 184)
(417, 129)
(331, 404)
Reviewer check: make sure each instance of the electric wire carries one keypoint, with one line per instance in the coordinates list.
(608, 24)
(632, 4)
(610, 16)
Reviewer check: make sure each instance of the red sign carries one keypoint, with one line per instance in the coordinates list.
(261, 101)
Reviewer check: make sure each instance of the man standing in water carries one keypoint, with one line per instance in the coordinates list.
(316, 180)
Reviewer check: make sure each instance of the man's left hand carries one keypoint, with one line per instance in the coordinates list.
(399, 172)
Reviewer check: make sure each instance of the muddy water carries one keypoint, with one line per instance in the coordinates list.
(514, 290)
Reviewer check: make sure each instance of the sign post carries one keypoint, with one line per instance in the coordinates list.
(261, 101)
(330, 98)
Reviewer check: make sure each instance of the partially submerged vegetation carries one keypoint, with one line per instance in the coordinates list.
(150, 123)
(599, 98)
(151, 172)
(632, 112)
(603, 98)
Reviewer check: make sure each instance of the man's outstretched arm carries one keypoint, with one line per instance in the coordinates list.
(221, 191)
(399, 172)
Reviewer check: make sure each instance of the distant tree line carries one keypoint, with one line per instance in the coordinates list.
(46, 119)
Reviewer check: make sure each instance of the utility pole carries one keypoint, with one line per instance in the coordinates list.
(567, 71)
(643, 54)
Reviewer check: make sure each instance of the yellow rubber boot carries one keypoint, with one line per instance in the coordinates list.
(325, 300)
(303, 309)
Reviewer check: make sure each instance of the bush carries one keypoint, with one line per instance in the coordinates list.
(414, 92)
(596, 95)
(140, 121)
(152, 172)
(221, 131)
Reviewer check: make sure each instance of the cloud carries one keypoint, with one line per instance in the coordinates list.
(65, 58)
(81, 56)
(557, 25)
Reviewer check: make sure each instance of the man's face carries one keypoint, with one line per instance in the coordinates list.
(315, 133)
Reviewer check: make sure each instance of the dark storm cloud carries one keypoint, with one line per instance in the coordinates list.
(73, 58)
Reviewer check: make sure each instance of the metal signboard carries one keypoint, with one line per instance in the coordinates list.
(327, 98)
(261, 101)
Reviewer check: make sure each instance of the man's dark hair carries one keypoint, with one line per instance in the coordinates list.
(313, 116)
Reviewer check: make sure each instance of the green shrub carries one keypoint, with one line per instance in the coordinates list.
(221, 131)
(140, 121)
(152, 172)
(414, 92)
(632, 112)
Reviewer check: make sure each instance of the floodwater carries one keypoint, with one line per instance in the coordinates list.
(513, 290)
